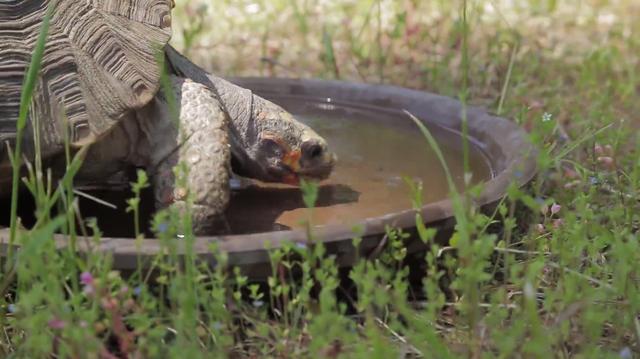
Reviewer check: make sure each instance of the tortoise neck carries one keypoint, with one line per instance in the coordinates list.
(236, 101)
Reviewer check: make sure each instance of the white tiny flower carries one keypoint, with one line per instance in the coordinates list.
(546, 117)
(529, 291)
(258, 303)
(252, 8)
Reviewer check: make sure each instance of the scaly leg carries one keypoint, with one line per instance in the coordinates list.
(201, 143)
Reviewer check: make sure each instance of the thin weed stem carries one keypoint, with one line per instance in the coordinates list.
(25, 103)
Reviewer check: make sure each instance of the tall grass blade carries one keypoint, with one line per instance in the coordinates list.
(436, 148)
(300, 17)
(330, 61)
(465, 93)
(25, 103)
(507, 80)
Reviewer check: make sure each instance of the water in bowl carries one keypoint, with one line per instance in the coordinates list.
(377, 152)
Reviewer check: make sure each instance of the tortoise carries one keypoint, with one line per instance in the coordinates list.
(99, 86)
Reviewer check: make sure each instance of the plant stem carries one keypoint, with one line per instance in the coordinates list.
(25, 102)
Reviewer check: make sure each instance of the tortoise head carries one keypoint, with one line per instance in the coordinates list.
(279, 148)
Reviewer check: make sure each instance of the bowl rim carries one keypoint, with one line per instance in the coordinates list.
(514, 161)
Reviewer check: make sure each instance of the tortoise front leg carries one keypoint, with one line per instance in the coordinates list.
(200, 142)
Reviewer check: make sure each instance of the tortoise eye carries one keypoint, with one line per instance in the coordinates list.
(271, 146)
(271, 143)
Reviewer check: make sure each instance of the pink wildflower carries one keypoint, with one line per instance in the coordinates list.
(56, 323)
(598, 149)
(606, 161)
(86, 278)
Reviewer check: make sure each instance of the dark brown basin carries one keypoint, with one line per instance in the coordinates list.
(499, 144)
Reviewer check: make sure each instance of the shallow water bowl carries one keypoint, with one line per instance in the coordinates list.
(379, 150)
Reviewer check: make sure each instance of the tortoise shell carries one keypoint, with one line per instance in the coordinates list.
(101, 61)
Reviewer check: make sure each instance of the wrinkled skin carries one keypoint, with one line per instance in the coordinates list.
(281, 149)
(267, 142)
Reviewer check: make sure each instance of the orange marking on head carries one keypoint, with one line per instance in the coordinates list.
(292, 159)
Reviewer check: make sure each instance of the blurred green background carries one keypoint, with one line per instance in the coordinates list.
(573, 50)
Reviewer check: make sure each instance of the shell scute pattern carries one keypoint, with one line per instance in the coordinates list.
(100, 61)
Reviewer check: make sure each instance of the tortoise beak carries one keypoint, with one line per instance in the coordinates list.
(299, 165)
(291, 159)
(312, 161)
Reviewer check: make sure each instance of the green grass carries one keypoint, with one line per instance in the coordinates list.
(25, 101)
(552, 273)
